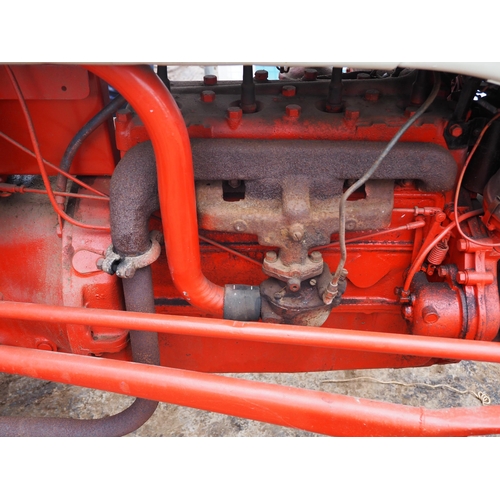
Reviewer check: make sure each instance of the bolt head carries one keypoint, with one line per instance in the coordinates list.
(207, 96)
(240, 226)
(372, 95)
(312, 282)
(293, 110)
(316, 256)
(234, 113)
(289, 90)
(429, 315)
(462, 277)
(99, 263)
(210, 80)
(456, 130)
(310, 74)
(44, 346)
(271, 257)
(351, 114)
(261, 75)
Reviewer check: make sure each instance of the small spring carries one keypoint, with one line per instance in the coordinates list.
(438, 253)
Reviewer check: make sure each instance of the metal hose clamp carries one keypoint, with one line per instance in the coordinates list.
(125, 267)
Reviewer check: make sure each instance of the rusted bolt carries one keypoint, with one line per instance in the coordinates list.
(310, 74)
(99, 263)
(210, 80)
(456, 130)
(351, 114)
(288, 90)
(240, 226)
(316, 256)
(440, 217)
(44, 346)
(372, 95)
(294, 284)
(350, 225)
(261, 75)
(234, 113)
(271, 257)
(312, 282)
(429, 315)
(293, 110)
(461, 277)
(296, 232)
(408, 313)
(207, 96)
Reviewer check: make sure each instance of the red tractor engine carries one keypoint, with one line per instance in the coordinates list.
(337, 220)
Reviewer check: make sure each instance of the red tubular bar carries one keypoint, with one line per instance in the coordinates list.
(158, 110)
(314, 411)
(391, 343)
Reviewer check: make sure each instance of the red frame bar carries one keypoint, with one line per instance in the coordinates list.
(314, 411)
(391, 343)
(158, 110)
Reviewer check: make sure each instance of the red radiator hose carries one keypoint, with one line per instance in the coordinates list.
(158, 110)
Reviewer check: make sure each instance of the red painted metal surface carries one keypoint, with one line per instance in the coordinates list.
(417, 276)
(154, 104)
(315, 411)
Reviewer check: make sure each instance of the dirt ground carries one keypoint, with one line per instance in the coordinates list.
(30, 397)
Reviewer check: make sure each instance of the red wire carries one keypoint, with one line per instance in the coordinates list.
(459, 184)
(57, 169)
(424, 251)
(39, 158)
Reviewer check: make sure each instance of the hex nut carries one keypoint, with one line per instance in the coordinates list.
(293, 110)
(207, 96)
(289, 90)
(210, 80)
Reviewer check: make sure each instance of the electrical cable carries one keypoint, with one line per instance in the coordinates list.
(56, 168)
(331, 290)
(459, 184)
(39, 158)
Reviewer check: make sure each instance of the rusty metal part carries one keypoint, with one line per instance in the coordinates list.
(327, 164)
(303, 306)
(291, 217)
(125, 267)
(302, 270)
(133, 184)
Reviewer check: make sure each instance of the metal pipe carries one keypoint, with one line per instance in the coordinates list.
(333, 338)
(314, 411)
(132, 202)
(154, 104)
